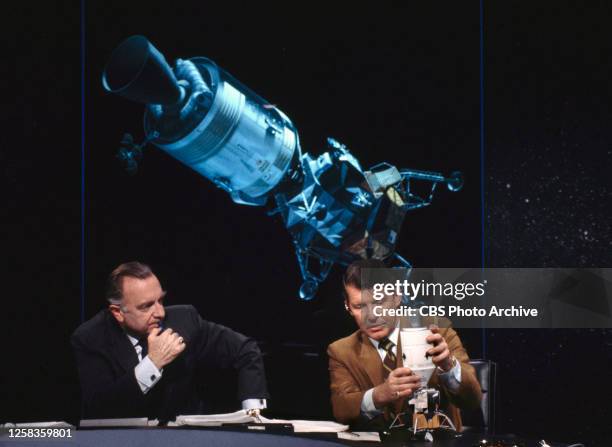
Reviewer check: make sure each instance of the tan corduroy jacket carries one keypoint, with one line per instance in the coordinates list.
(355, 367)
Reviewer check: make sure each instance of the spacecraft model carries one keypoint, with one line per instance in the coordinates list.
(199, 114)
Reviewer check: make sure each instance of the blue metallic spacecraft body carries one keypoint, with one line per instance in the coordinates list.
(334, 210)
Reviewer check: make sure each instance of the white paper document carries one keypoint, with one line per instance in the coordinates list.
(361, 436)
(241, 417)
(215, 420)
(301, 426)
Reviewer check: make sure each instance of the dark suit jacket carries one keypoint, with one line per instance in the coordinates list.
(106, 360)
(355, 367)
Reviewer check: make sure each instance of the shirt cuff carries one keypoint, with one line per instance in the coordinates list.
(451, 379)
(368, 409)
(254, 404)
(147, 374)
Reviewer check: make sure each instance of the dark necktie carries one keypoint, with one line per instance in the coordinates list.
(143, 344)
(390, 360)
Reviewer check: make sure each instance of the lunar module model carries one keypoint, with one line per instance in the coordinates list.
(335, 211)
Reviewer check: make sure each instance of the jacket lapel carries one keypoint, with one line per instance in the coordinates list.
(120, 345)
(369, 358)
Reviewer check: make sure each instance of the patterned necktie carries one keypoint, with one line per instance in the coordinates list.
(390, 361)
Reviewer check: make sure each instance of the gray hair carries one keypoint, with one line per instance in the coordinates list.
(133, 269)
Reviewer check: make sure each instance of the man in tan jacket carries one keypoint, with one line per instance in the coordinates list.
(369, 385)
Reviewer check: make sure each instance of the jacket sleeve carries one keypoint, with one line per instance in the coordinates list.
(469, 394)
(346, 396)
(103, 394)
(224, 348)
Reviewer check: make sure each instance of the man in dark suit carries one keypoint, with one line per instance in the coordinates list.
(367, 379)
(138, 358)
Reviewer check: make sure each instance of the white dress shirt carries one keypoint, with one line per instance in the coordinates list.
(451, 379)
(147, 375)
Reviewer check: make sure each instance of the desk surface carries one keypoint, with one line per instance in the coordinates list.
(163, 437)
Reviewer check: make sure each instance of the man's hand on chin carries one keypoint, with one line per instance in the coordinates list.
(164, 347)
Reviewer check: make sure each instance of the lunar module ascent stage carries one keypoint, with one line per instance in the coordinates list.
(335, 211)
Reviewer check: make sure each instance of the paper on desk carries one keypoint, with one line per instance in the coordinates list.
(215, 420)
(241, 417)
(370, 436)
(302, 426)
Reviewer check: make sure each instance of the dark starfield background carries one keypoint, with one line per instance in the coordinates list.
(400, 85)
(548, 195)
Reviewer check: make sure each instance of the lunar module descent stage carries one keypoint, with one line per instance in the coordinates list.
(334, 210)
